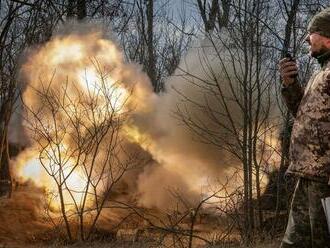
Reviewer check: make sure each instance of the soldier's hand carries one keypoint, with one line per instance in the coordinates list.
(288, 70)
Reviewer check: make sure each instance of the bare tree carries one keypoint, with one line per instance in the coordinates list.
(81, 9)
(22, 24)
(237, 92)
(291, 12)
(7, 94)
(78, 138)
(234, 110)
(153, 39)
(216, 12)
(177, 227)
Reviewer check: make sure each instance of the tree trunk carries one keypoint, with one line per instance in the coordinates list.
(210, 19)
(81, 9)
(285, 139)
(223, 18)
(5, 177)
(151, 70)
(70, 9)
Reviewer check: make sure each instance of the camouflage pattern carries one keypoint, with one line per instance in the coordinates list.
(292, 96)
(307, 226)
(310, 138)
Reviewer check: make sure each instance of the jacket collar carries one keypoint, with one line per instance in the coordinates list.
(324, 58)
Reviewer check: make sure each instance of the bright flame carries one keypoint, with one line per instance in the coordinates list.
(32, 170)
(135, 135)
(66, 51)
(83, 75)
(96, 85)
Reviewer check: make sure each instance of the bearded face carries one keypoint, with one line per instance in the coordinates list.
(318, 44)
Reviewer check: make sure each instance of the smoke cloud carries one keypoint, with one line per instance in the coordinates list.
(186, 157)
(191, 127)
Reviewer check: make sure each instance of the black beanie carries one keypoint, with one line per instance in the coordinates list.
(320, 23)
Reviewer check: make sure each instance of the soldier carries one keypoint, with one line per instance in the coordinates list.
(310, 140)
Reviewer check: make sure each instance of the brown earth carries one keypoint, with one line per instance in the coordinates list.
(23, 224)
(20, 217)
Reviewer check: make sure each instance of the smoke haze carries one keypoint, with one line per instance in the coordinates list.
(184, 160)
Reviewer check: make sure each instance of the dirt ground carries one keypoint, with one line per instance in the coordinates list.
(19, 218)
(22, 225)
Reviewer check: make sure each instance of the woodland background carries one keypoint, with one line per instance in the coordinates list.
(212, 66)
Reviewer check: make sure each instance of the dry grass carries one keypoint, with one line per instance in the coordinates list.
(122, 244)
(21, 227)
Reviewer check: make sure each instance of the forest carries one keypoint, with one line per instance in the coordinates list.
(147, 123)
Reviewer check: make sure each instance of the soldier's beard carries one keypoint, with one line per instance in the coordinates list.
(322, 51)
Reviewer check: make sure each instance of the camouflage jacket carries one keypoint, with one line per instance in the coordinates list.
(310, 137)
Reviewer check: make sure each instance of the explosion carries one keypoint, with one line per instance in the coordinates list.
(32, 169)
(85, 104)
(78, 98)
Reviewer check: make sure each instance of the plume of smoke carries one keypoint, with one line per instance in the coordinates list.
(184, 161)
(191, 156)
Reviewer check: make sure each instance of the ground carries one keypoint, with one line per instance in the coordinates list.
(23, 225)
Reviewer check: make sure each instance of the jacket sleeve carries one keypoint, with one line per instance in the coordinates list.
(292, 96)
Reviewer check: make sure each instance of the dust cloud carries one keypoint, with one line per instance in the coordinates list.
(184, 130)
